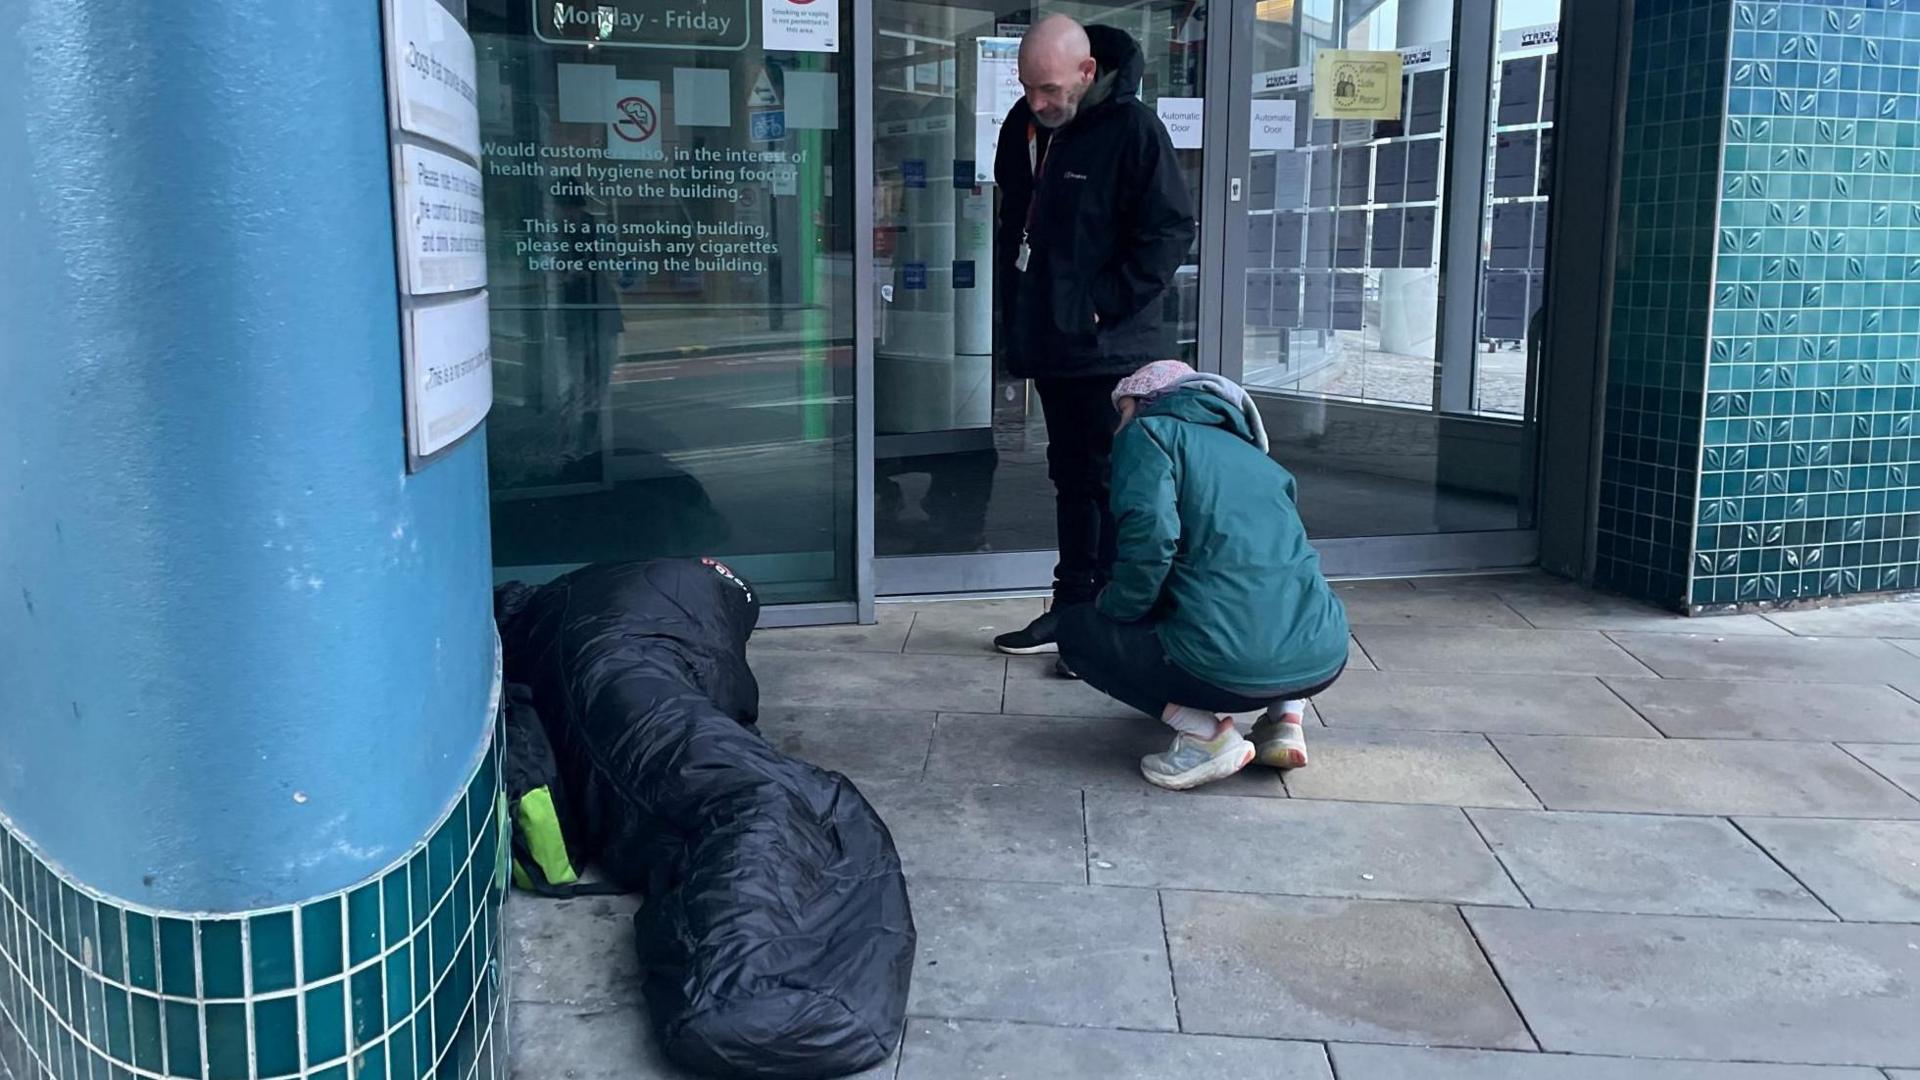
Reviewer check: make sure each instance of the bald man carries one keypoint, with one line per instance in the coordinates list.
(1095, 218)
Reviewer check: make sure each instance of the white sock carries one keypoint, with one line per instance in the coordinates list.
(1195, 722)
(1289, 708)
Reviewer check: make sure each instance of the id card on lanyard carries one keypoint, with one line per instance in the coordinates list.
(1036, 161)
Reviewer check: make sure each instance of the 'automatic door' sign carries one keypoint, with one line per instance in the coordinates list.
(645, 24)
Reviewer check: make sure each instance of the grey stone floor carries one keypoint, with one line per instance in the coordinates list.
(1546, 835)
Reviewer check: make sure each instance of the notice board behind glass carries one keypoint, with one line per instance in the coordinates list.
(669, 218)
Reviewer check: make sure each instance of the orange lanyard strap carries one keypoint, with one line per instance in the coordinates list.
(1037, 161)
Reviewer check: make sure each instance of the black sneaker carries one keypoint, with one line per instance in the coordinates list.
(1061, 669)
(1040, 636)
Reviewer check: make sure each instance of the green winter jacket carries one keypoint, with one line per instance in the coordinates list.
(1212, 549)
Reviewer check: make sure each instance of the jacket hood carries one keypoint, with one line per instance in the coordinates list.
(1200, 405)
(1118, 58)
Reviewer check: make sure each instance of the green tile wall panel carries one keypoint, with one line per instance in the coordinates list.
(1762, 391)
(396, 978)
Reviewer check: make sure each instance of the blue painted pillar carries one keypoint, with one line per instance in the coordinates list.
(245, 659)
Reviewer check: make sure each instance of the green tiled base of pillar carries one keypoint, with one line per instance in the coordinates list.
(395, 979)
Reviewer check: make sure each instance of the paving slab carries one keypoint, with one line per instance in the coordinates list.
(1308, 848)
(1068, 751)
(1440, 701)
(1521, 652)
(1865, 870)
(1503, 584)
(1900, 764)
(1445, 768)
(1357, 658)
(1001, 833)
(607, 1043)
(1034, 689)
(1698, 709)
(1411, 607)
(865, 744)
(1046, 954)
(970, 1050)
(1699, 776)
(887, 635)
(1567, 607)
(1286, 967)
(1714, 989)
(1639, 864)
(1411, 1063)
(856, 680)
(967, 627)
(573, 952)
(1877, 619)
(1771, 659)
(1352, 586)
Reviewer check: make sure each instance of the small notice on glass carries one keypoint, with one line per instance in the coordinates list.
(1185, 118)
(1355, 84)
(800, 25)
(997, 88)
(1275, 124)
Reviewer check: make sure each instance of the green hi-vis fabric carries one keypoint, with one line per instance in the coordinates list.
(538, 840)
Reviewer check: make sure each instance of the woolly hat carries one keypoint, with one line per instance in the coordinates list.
(1153, 380)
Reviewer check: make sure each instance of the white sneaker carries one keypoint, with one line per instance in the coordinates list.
(1190, 762)
(1279, 741)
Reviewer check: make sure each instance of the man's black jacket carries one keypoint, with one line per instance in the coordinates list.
(1111, 222)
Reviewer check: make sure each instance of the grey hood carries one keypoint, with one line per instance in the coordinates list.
(1234, 394)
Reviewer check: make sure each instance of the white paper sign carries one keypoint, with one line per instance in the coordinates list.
(1543, 37)
(432, 60)
(800, 25)
(1184, 117)
(442, 224)
(449, 372)
(997, 88)
(1275, 124)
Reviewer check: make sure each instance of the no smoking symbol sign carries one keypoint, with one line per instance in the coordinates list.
(638, 119)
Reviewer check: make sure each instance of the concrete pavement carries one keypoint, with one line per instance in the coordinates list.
(1546, 835)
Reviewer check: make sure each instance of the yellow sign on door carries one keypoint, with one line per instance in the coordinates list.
(1352, 84)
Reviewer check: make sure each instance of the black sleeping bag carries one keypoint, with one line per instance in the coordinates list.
(776, 938)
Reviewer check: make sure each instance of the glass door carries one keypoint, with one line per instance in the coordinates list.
(962, 500)
(1384, 269)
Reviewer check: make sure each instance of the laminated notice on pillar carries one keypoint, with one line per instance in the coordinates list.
(1185, 118)
(449, 372)
(800, 25)
(442, 222)
(1356, 84)
(434, 78)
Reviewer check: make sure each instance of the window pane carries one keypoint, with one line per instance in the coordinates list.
(1343, 302)
(1515, 240)
(670, 222)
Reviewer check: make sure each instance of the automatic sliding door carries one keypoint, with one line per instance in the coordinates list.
(962, 499)
(1399, 419)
